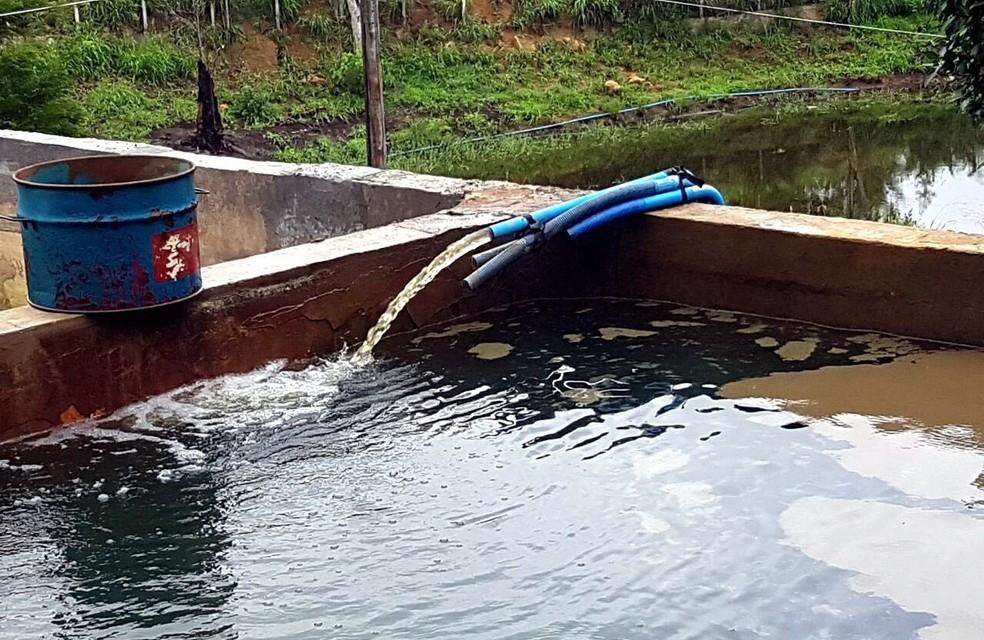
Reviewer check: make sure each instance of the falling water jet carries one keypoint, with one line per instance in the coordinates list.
(446, 258)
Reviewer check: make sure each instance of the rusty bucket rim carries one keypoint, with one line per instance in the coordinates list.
(21, 179)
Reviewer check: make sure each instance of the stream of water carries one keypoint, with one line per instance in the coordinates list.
(454, 251)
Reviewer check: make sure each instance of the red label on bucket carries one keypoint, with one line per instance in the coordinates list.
(175, 253)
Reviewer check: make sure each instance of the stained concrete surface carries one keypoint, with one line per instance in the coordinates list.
(314, 298)
(291, 303)
(253, 207)
(845, 273)
(13, 288)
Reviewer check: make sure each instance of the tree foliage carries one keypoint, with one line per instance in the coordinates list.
(963, 54)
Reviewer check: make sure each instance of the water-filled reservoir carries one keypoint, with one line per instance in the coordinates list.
(580, 469)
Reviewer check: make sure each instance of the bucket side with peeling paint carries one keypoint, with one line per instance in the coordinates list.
(109, 233)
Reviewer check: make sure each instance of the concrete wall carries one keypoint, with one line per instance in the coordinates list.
(314, 298)
(255, 206)
(290, 303)
(844, 273)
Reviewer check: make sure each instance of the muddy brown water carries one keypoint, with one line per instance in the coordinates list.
(580, 469)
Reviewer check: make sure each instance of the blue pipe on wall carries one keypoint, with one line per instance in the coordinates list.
(519, 224)
(587, 213)
(705, 194)
(657, 182)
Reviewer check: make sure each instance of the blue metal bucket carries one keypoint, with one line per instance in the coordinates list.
(109, 233)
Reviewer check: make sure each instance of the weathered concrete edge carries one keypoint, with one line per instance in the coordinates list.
(290, 303)
(830, 271)
(296, 203)
(314, 298)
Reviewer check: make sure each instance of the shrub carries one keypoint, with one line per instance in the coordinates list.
(91, 56)
(114, 13)
(594, 12)
(255, 106)
(35, 90)
(87, 56)
(859, 11)
(154, 61)
(345, 74)
(321, 26)
(450, 10)
(529, 12)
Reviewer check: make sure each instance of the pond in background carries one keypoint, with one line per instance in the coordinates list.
(911, 163)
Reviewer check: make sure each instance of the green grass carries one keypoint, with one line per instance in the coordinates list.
(445, 84)
(120, 110)
(90, 56)
(471, 90)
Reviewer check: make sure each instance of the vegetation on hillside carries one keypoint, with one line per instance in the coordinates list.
(446, 78)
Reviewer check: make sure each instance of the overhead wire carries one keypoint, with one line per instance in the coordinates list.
(20, 12)
(779, 16)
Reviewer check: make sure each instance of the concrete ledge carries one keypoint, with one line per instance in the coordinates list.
(845, 273)
(314, 298)
(291, 303)
(253, 206)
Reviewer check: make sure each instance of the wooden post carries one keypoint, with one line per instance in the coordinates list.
(75, 10)
(211, 13)
(276, 13)
(228, 16)
(375, 117)
(143, 15)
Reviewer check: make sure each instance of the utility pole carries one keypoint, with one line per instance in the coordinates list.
(375, 119)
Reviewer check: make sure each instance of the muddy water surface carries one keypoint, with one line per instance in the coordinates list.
(605, 470)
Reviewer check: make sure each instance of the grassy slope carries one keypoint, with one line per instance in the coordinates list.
(438, 91)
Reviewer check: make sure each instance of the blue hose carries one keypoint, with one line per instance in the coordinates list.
(519, 224)
(662, 181)
(706, 194)
(581, 215)
(626, 193)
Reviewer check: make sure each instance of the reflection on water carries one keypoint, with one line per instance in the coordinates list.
(589, 480)
(896, 163)
(923, 559)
